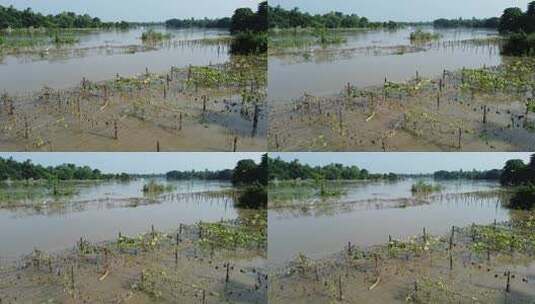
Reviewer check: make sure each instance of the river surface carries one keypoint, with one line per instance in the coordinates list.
(365, 221)
(99, 211)
(101, 55)
(368, 57)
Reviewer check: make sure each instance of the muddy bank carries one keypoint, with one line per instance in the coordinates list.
(475, 264)
(213, 108)
(486, 109)
(194, 264)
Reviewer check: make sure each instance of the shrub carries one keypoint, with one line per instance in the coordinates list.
(524, 198)
(519, 44)
(253, 197)
(249, 43)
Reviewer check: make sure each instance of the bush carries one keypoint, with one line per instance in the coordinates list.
(524, 198)
(422, 187)
(253, 197)
(153, 36)
(153, 187)
(249, 43)
(519, 44)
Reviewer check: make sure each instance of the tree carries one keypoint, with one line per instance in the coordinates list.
(242, 20)
(513, 172)
(511, 20)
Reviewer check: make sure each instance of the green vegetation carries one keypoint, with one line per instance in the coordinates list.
(249, 42)
(521, 29)
(421, 36)
(155, 188)
(223, 23)
(251, 179)
(202, 175)
(282, 170)
(493, 174)
(491, 23)
(245, 232)
(281, 18)
(517, 173)
(422, 187)
(11, 17)
(152, 36)
(523, 198)
(249, 30)
(13, 170)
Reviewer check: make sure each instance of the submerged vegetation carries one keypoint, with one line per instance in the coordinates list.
(156, 188)
(422, 187)
(421, 36)
(151, 36)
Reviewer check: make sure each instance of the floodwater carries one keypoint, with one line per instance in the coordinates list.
(364, 222)
(101, 55)
(101, 210)
(369, 56)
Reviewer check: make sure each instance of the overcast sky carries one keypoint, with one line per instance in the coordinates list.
(408, 162)
(136, 10)
(142, 163)
(406, 10)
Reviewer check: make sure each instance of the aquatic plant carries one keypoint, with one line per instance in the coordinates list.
(421, 36)
(423, 187)
(152, 36)
(154, 188)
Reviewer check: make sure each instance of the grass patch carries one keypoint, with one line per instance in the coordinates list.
(153, 36)
(422, 187)
(421, 36)
(154, 188)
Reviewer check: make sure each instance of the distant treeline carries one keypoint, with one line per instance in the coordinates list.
(279, 17)
(493, 174)
(491, 23)
(282, 170)
(203, 175)
(223, 23)
(243, 19)
(11, 17)
(11, 169)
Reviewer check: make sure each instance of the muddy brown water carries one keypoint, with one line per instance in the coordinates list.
(100, 211)
(291, 74)
(98, 57)
(369, 212)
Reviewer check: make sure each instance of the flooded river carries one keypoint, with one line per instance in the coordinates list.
(101, 55)
(367, 57)
(99, 211)
(363, 216)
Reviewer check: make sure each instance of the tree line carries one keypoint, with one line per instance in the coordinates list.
(491, 23)
(225, 175)
(11, 169)
(11, 17)
(493, 174)
(281, 18)
(283, 170)
(222, 23)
